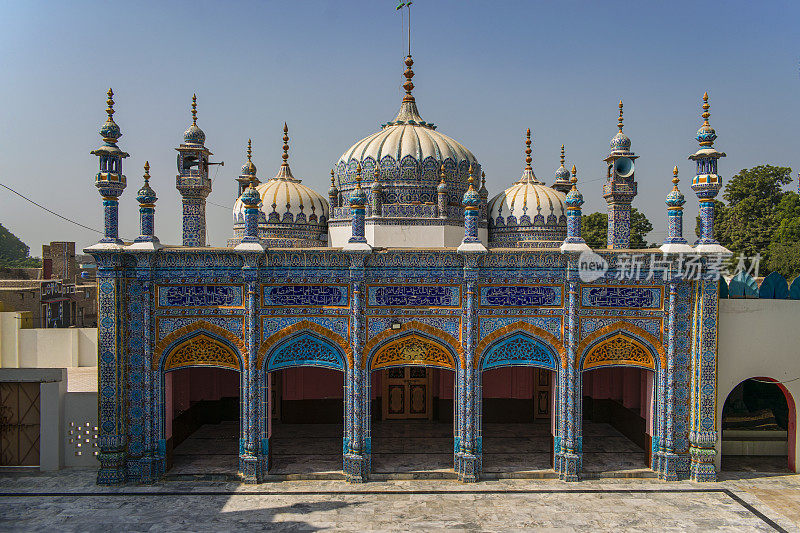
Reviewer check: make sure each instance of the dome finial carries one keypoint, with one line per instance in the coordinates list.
(574, 178)
(675, 179)
(110, 102)
(483, 179)
(285, 155)
(194, 109)
(441, 173)
(562, 155)
(706, 107)
(358, 176)
(409, 74)
(471, 179)
(332, 184)
(249, 150)
(619, 121)
(146, 172)
(528, 158)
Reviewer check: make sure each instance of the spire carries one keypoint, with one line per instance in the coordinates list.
(706, 134)
(574, 178)
(675, 242)
(285, 172)
(619, 121)
(110, 132)
(194, 135)
(562, 155)
(194, 109)
(528, 158)
(675, 179)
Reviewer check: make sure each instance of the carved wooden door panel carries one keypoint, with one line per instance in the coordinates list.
(407, 393)
(19, 424)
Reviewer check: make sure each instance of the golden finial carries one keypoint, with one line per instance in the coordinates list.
(483, 179)
(358, 176)
(470, 177)
(574, 178)
(332, 184)
(146, 172)
(194, 109)
(706, 107)
(377, 173)
(528, 150)
(249, 150)
(562, 155)
(110, 103)
(285, 155)
(675, 179)
(408, 85)
(619, 121)
(441, 172)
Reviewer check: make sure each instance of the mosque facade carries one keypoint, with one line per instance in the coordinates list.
(409, 285)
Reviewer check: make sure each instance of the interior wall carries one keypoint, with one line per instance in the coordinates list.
(508, 382)
(312, 383)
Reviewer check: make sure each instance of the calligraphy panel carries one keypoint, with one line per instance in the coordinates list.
(621, 297)
(414, 296)
(520, 296)
(200, 296)
(304, 295)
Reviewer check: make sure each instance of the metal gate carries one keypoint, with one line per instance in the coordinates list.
(19, 424)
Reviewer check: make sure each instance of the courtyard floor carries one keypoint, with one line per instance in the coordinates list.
(70, 501)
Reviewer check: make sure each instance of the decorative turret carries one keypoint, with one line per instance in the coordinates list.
(333, 193)
(619, 188)
(471, 203)
(358, 202)
(193, 181)
(574, 241)
(441, 194)
(110, 180)
(562, 182)
(707, 183)
(376, 192)
(147, 208)
(248, 171)
(251, 201)
(484, 194)
(675, 242)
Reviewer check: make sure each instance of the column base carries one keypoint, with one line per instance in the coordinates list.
(251, 468)
(668, 467)
(356, 467)
(702, 468)
(151, 469)
(568, 466)
(468, 467)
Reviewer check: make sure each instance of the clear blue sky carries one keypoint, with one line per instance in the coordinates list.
(486, 70)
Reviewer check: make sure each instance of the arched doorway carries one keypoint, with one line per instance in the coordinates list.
(201, 406)
(411, 389)
(758, 427)
(618, 405)
(518, 381)
(304, 401)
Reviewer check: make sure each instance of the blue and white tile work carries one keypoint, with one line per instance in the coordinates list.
(287, 298)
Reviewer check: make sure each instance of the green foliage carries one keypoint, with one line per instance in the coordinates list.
(11, 248)
(760, 217)
(594, 229)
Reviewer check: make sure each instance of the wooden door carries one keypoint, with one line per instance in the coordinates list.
(407, 393)
(19, 424)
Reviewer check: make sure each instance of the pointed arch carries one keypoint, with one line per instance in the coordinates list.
(621, 344)
(428, 337)
(411, 348)
(208, 338)
(742, 286)
(310, 331)
(774, 286)
(537, 334)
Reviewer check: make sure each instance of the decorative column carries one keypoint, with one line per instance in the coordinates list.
(619, 188)
(110, 181)
(252, 202)
(193, 181)
(358, 202)
(471, 203)
(147, 208)
(357, 460)
(675, 242)
(253, 459)
(568, 444)
(668, 464)
(574, 241)
(441, 194)
(707, 183)
(376, 192)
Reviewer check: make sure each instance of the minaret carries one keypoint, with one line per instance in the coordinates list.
(110, 180)
(562, 182)
(147, 209)
(333, 194)
(193, 182)
(248, 171)
(358, 202)
(707, 183)
(471, 203)
(675, 242)
(574, 241)
(619, 189)
(441, 194)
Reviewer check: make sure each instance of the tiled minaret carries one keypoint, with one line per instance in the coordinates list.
(619, 188)
(574, 241)
(110, 180)
(562, 182)
(147, 211)
(675, 241)
(193, 181)
(358, 202)
(248, 171)
(707, 183)
(471, 203)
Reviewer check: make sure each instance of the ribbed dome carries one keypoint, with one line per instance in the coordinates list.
(528, 214)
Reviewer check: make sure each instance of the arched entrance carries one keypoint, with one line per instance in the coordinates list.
(758, 427)
(411, 404)
(518, 372)
(304, 401)
(619, 406)
(201, 387)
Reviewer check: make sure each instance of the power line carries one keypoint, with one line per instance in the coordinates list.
(50, 210)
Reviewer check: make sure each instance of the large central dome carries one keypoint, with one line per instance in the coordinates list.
(412, 160)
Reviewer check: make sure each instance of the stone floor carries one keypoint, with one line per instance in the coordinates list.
(417, 448)
(70, 501)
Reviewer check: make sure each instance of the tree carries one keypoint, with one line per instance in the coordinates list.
(756, 215)
(14, 252)
(784, 249)
(594, 229)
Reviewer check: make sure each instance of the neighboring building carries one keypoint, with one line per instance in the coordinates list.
(59, 297)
